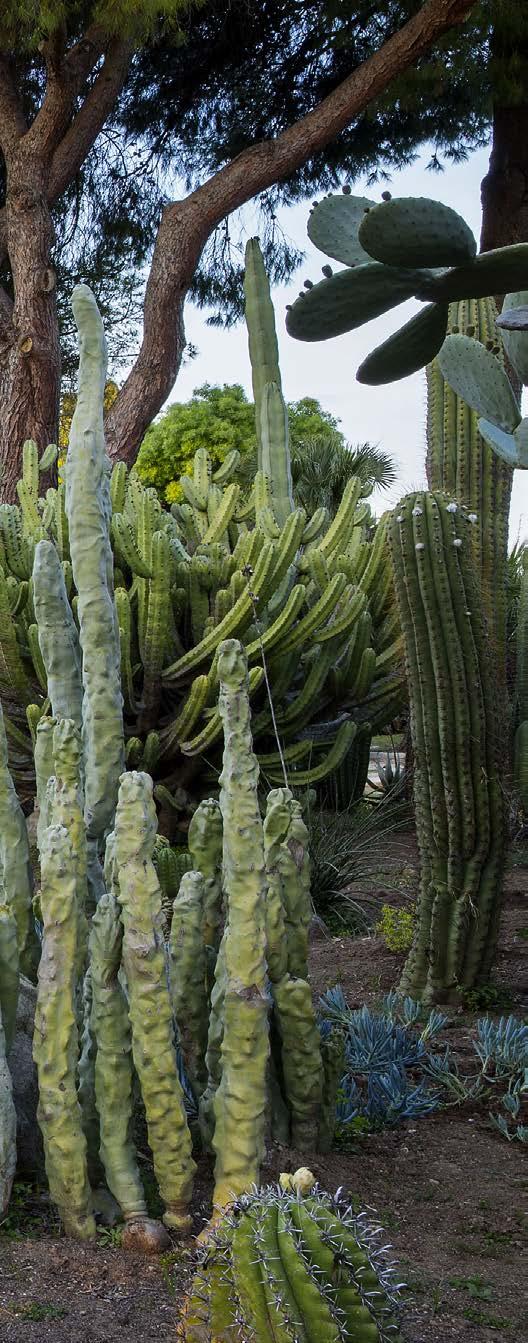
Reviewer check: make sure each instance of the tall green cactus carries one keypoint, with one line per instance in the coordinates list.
(521, 687)
(461, 462)
(460, 813)
(88, 511)
(55, 1044)
(16, 877)
(149, 1003)
(7, 1126)
(240, 1101)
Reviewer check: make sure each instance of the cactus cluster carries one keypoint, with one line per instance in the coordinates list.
(477, 375)
(236, 992)
(409, 247)
(460, 814)
(309, 596)
(283, 1265)
(113, 994)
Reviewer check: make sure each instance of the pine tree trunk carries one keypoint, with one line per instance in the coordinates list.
(504, 190)
(29, 343)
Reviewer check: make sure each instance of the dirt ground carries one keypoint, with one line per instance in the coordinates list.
(448, 1190)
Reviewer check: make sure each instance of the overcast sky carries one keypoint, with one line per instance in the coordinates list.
(391, 416)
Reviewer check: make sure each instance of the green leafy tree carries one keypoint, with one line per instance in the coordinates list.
(216, 418)
(89, 172)
(222, 418)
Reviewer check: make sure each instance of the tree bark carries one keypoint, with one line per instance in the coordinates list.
(504, 189)
(29, 350)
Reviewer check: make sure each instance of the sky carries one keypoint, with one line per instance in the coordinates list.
(392, 416)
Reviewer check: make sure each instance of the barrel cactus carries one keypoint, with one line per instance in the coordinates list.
(282, 1265)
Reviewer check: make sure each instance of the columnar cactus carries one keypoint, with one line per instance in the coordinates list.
(114, 1077)
(278, 1265)
(57, 635)
(149, 1004)
(240, 1101)
(188, 976)
(521, 687)
(88, 511)
(456, 744)
(7, 1125)
(55, 1044)
(271, 416)
(15, 864)
(481, 381)
(461, 462)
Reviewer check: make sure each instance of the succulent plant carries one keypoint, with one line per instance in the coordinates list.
(474, 372)
(457, 748)
(293, 1262)
(408, 247)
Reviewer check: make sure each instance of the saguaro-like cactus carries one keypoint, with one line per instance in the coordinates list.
(456, 741)
(461, 462)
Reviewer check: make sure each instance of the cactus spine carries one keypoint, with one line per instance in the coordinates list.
(456, 741)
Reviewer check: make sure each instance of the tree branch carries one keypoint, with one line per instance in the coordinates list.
(85, 127)
(186, 225)
(66, 75)
(89, 121)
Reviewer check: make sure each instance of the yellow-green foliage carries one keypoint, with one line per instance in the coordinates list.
(216, 418)
(220, 419)
(25, 25)
(396, 927)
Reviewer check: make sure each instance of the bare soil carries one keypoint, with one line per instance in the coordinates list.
(448, 1190)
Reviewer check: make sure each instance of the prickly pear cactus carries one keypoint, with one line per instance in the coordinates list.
(401, 248)
(283, 1265)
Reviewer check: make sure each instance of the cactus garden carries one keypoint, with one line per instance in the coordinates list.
(263, 705)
